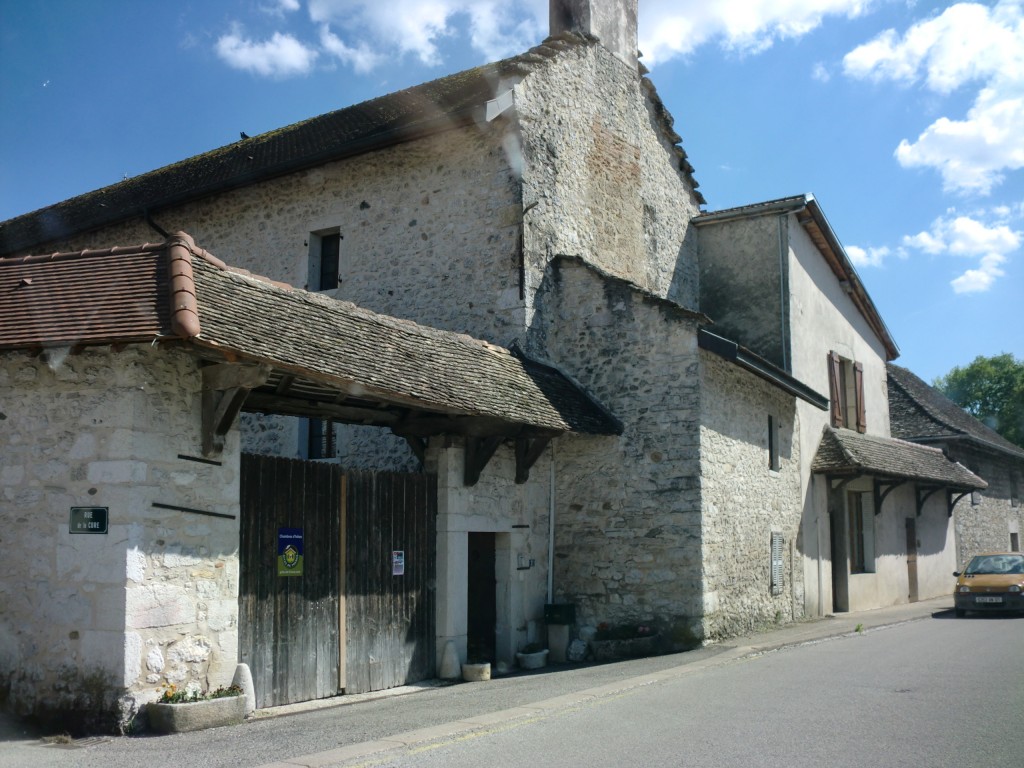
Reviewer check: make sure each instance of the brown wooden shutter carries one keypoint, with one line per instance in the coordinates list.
(858, 385)
(833, 389)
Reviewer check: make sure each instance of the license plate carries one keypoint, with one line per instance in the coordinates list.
(989, 599)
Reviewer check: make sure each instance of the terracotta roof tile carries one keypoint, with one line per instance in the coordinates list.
(123, 295)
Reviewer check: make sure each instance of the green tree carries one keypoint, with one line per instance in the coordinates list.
(990, 389)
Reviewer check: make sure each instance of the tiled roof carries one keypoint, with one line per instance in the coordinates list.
(918, 411)
(92, 297)
(124, 295)
(845, 452)
(457, 99)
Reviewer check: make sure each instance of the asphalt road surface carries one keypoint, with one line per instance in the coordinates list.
(941, 692)
(933, 692)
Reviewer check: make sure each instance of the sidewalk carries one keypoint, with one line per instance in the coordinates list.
(504, 700)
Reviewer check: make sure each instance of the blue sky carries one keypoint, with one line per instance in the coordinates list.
(904, 119)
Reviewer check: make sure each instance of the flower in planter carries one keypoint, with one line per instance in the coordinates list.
(174, 695)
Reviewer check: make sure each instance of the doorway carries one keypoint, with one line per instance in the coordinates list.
(481, 598)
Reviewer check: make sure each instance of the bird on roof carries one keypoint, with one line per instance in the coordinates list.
(243, 134)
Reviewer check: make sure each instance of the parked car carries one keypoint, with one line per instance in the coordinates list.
(991, 582)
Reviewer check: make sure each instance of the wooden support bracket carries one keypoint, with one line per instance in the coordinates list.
(923, 493)
(419, 448)
(479, 451)
(837, 483)
(225, 387)
(882, 489)
(527, 453)
(951, 502)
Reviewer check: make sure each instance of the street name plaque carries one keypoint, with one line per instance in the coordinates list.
(88, 519)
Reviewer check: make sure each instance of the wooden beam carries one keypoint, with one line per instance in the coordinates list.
(951, 502)
(294, 406)
(228, 376)
(419, 447)
(527, 453)
(478, 452)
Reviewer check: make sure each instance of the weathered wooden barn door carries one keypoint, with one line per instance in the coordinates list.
(289, 600)
(390, 594)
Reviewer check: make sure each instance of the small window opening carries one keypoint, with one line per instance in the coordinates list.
(773, 444)
(321, 441)
(324, 260)
(1015, 542)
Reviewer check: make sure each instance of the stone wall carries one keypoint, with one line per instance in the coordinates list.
(742, 283)
(744, 501)
(601, 178)
(92, 625)
(985, 520)
(628, 520)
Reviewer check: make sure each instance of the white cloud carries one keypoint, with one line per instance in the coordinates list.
(280, 56)
(869, 257)
(671, 28)
(820, 73)
(281, 7)
(414, 27)
(968, 236)
(360, 58)
(967, 43)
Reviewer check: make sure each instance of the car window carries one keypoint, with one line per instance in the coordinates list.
(995, 564)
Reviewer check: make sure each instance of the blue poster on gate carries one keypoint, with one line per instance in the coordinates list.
(289, 551)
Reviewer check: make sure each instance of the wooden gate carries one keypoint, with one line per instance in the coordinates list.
(390, 579)
(346, 623)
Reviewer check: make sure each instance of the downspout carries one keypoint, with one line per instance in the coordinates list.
(551, 528)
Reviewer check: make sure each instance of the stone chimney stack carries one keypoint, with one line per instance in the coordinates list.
(613, 22)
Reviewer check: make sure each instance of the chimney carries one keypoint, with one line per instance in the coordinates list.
(613, 22)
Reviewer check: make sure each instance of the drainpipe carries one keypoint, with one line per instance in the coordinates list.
(783, 253)
(551, 528)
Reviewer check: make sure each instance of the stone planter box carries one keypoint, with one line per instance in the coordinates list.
(196, 715)
(630, 648)
(534, 660)
(476, 673)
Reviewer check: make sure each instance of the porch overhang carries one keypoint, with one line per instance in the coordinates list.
(844, 455)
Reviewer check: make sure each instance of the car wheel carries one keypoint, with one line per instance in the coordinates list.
(960, 613)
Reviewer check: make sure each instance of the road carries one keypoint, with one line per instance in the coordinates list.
(941, 692)
(933, 691)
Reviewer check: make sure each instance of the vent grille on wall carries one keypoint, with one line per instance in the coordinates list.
(777, 569)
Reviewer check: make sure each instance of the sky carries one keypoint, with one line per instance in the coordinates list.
(905, 119)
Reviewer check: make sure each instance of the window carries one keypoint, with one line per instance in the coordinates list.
(862, 534)
(1015, 542)
(324, 258)
(773, 444)
(846, 393)
(320, 439)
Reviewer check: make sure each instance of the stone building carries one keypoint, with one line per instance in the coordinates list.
(669, 417)
(993, 520)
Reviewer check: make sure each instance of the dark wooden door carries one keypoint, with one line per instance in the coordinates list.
(481, 599)
(288, 630)
(912, 558)
(390, 594)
